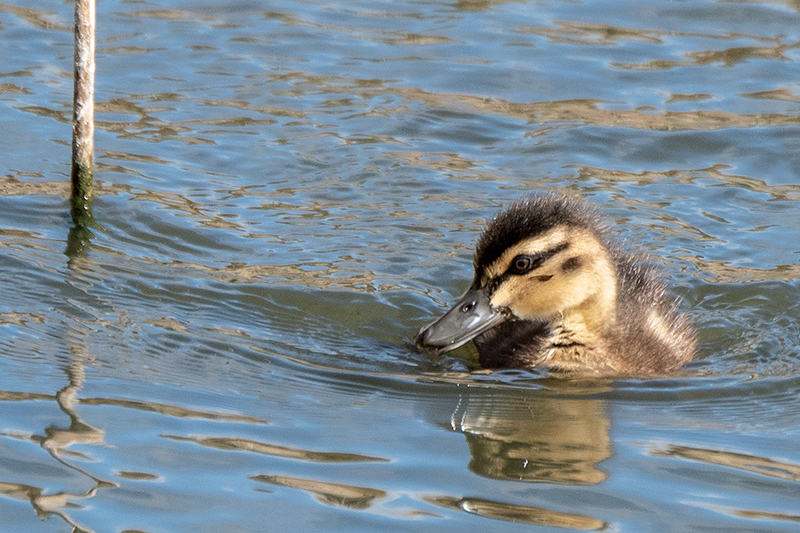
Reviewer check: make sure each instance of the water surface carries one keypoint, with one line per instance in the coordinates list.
(287, 191)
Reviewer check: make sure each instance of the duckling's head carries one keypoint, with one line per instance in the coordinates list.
(545, 257)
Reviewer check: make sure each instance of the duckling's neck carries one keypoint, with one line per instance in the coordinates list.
(577, 340)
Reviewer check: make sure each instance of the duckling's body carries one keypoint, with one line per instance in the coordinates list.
(551, 289)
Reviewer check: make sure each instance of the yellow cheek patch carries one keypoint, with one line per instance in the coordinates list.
(561, 282)
(506, 295)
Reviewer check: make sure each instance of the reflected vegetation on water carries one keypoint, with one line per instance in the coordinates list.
(222, 443)
(519, 513)
(757, 465)
(334, 494)
(287, 192)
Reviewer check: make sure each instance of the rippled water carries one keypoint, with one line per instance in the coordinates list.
(287, 191)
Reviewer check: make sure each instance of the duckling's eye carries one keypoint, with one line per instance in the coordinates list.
(523, 264)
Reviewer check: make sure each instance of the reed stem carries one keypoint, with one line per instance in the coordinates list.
(83, 102)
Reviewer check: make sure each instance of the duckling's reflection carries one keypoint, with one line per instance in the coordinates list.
(527, 436)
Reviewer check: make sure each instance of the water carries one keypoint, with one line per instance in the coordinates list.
(287, 191)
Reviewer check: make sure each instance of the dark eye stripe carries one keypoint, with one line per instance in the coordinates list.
(524, 263)
(492, 284)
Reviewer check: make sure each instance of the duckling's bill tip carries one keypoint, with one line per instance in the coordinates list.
(471, 316)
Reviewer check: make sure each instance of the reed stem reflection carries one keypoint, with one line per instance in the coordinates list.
(57, 439)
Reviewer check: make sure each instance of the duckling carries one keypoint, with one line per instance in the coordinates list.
(553, 289)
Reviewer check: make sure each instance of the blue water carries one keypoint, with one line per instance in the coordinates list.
(287, 191)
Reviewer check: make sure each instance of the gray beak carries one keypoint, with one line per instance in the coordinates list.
(469, 317)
